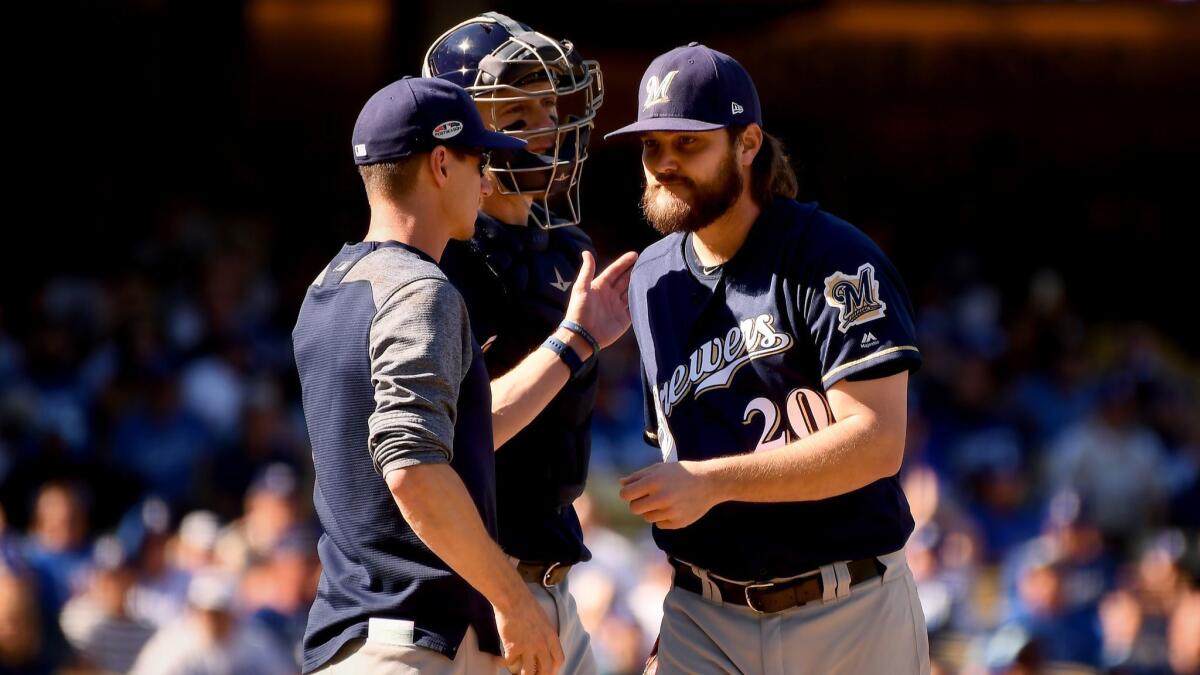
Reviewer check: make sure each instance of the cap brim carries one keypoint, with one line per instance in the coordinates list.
(664, 124)
(490, 140)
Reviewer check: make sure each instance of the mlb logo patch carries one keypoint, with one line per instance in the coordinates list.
(447, 130)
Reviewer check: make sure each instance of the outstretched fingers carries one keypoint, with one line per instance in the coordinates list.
(616, 275)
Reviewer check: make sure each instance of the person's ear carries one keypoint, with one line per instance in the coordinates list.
(750, 142)
(439, 165)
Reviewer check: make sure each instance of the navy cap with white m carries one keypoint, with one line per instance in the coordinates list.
(416, 114)
(694, 88)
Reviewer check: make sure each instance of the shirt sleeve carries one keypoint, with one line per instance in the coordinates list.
(859, 314)
(420, 351)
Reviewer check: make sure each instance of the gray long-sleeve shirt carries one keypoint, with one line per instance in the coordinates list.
(420, 349)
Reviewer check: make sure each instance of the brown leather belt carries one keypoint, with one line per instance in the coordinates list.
(546, 574)
(767, 597)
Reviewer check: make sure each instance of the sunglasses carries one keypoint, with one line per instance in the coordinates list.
(485, 157)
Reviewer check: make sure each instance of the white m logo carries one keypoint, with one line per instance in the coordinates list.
(656, 92)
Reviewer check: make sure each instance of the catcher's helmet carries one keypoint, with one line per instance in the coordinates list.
(499, 61)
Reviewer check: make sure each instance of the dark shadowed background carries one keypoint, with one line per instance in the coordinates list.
(183, 170)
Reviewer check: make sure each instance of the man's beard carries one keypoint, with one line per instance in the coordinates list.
(669, 213)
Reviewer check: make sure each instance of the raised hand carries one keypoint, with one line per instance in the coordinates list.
(601, 304)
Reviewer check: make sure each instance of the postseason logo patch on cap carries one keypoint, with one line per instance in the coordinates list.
(447, 130)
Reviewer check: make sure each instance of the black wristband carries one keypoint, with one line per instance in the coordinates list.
(568, 355)
(581, 332)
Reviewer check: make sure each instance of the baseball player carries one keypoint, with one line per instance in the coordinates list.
(776, 342)
(516, 275)
(398, 404)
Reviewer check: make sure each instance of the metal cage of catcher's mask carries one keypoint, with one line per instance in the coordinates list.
(498, 61)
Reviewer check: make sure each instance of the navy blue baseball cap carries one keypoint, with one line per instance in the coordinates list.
(417, 114)
(694, 88)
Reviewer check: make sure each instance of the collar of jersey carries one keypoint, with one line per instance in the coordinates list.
(376, 245)
(531, 236)
(763, 244)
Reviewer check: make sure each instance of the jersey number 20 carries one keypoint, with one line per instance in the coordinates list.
(807, 412)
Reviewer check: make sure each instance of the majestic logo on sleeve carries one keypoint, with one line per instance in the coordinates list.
(714, 364)
(855, 296)
(656, 90)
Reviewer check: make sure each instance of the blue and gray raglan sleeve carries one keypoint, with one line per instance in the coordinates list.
(420, 350)
(858, 312)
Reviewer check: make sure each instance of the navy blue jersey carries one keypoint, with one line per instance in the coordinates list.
(516, 281)
(373, 564)
(739, 359)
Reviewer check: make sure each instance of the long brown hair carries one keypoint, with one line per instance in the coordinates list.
(772, 174)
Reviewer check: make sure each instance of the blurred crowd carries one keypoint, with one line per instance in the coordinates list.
(155, 479)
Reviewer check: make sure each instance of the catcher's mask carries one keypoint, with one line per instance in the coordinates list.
(499, 61)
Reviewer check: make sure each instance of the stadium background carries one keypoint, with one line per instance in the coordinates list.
(183, 171)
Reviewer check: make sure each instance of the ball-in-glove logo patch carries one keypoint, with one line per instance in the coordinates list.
(855, 296)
